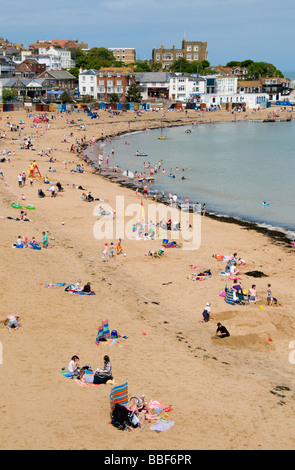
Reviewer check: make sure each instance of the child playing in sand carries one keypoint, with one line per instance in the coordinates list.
(270, 299)
(207, 313)
(105, 253)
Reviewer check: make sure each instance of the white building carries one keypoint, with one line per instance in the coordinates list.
(248, 100)
(88, 83)
(226, 85)
(59, 58)
(186, 88)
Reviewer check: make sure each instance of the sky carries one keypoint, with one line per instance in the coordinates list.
(261, 30)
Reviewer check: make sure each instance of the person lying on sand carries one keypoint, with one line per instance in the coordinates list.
(12, 321)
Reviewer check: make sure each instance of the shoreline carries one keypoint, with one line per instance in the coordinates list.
(277, 233)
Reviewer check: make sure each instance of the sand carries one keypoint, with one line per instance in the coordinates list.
(235, 393)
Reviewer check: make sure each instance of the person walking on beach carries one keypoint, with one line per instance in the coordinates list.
(204, 209)
(105, 253)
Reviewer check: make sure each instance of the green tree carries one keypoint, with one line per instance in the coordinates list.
(233, 63)
(75, 71)
(114, 98)
(180, 65)
(133, 94)
(246, 63)
(66, 98)
(262, 69)
(157, 66)
(8, 94)
(142, 66)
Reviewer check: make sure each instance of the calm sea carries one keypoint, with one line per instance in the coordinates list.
(232, 167)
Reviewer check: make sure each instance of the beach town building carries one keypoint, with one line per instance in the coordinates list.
(88, 83)
(122, 54)
(277, 88)
(226, 84)
(61, 80)
(192, 51)
(60, 58)
(183, 87)
(33, 88)
(249, 86)
(29, 68)
(114, 80)
(153, 85)
(7, 67)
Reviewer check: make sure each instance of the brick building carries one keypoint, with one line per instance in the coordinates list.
(192, 51)
(114, 80)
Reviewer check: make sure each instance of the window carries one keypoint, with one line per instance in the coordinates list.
(196, 56)
(110, 74)
(167, 56)
(91, 78)
(196, 48)
(101, 82)
(110, 83)
(189, 57)
(178, 55)
(189, 48)
(158, 57)
(119, 82)
(84, 89)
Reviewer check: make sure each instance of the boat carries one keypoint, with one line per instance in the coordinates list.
(162, 137)
(141, 154)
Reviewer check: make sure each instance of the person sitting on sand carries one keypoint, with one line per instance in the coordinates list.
(233, 269)
(87, 289)
(12, 321)
(106, 371)
(253, 294)
(221, 331)
(73, 367)
(41, 193)
(237, 286)
(24, 217)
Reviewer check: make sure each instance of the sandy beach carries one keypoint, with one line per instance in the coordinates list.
(231, 393)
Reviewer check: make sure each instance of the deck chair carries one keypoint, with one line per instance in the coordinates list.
(103, 332)
(243, 299)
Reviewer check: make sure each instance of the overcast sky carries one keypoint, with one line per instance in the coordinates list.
(261, 30)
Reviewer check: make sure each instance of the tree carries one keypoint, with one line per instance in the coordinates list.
(114, 98)
(246, 63)
(8, 94)
(66, 98)
(75, 71)
(142, 66)
(262, 69)
(157, 66)
(133, 94)
(233, 63)
(180, 65)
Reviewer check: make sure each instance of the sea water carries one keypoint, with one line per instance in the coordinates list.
(232, 167)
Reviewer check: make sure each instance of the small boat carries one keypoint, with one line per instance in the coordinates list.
(141, 154)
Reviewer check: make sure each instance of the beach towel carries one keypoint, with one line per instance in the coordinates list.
(119, 394)
(162, 425)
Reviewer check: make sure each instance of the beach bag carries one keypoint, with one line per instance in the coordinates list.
(114, 334)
